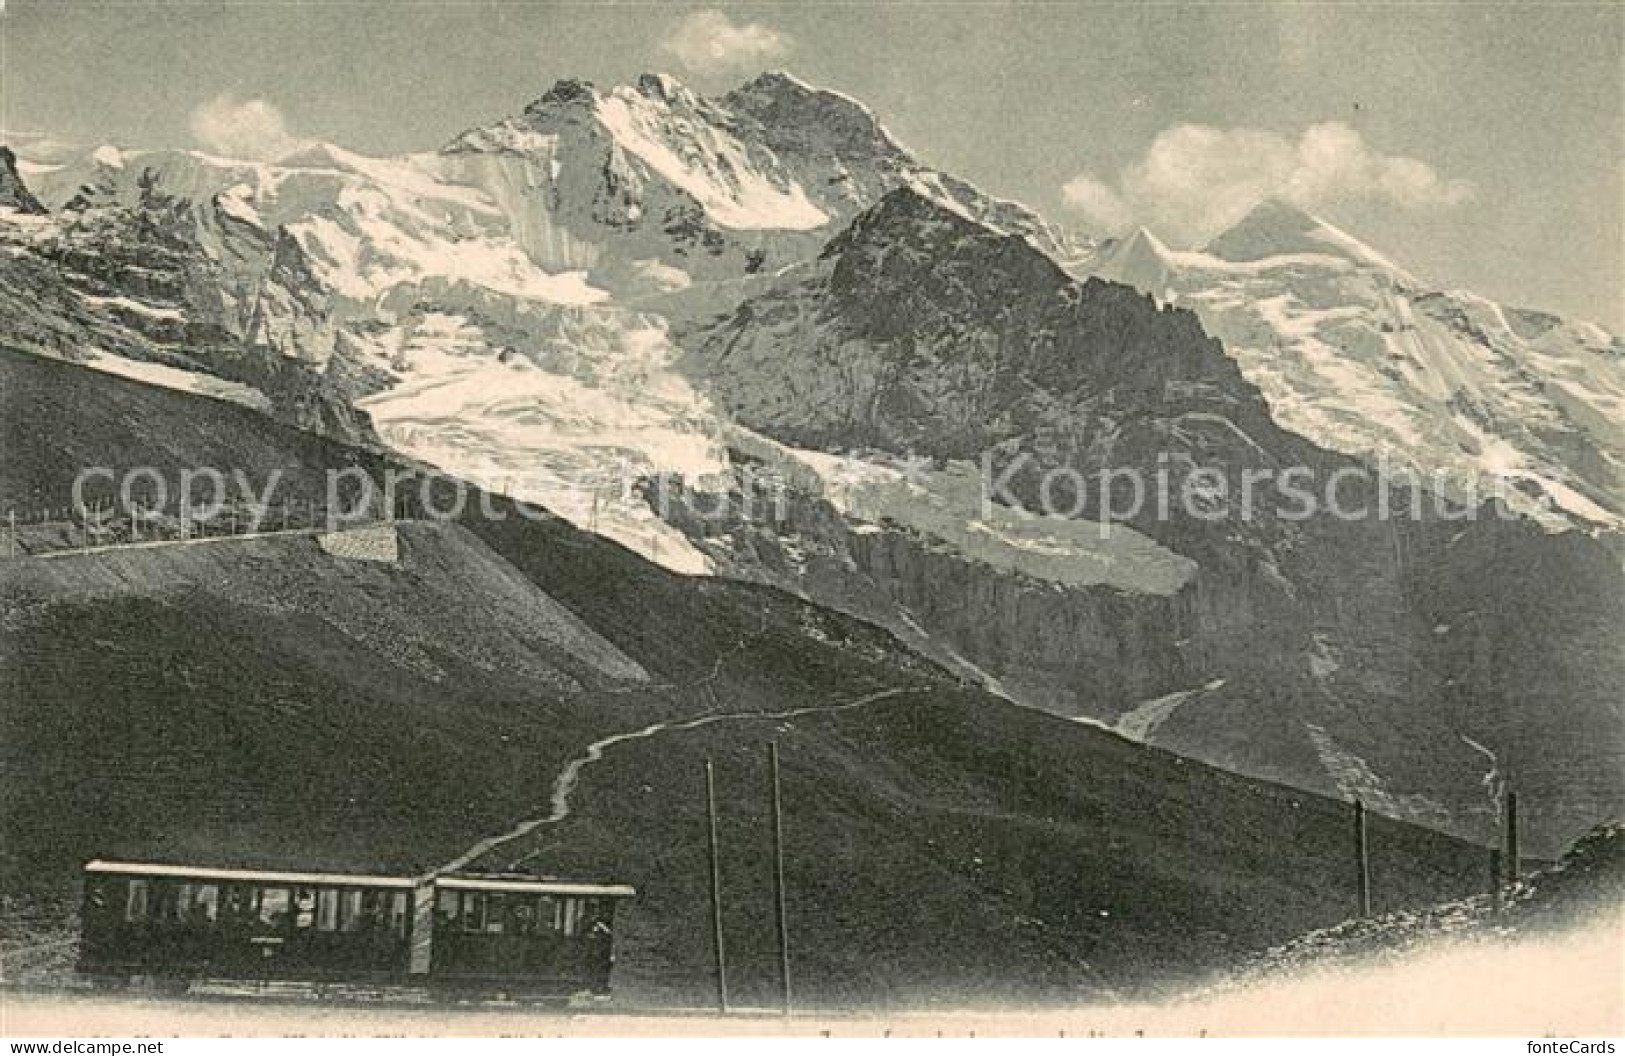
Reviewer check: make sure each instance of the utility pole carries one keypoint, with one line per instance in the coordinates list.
(716, 887)
(1511, 847)
(1362, 861)
(780, 915)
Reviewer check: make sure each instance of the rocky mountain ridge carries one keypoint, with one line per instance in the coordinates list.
(1346, 652)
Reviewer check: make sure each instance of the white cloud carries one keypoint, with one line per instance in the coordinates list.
(1099, 204)
(248, 128)
(709, 42)
(1196, 180)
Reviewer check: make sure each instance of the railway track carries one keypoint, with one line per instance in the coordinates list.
(564, 785)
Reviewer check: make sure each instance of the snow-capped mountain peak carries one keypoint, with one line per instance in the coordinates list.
(1277, 228)
(641, 153)
(564, 92)
(1141, 260)
(795, 118)
(1361, 356)
(765, 172)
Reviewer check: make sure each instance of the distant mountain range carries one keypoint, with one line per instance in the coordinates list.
(638, 291)
(1359, 355)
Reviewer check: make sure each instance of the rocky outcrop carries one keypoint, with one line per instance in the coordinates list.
(147, 275)
(837, 148)
(14, 193)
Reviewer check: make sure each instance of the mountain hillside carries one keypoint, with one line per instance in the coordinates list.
(270, 700)
(1584, 892)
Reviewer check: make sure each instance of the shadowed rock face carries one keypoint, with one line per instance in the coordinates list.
(927, 330)
(1361, 656)
(838, 149)
(14, 193)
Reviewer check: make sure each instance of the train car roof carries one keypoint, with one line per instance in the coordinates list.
(197, 872)
(545, 887)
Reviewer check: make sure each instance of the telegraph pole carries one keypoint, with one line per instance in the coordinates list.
(1511, 849)
(1362, 861)
(781, 917)
(716, 888)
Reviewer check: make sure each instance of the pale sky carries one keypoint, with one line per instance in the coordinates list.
(1478, 144)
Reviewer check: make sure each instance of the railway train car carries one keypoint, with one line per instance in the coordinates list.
(453, 934)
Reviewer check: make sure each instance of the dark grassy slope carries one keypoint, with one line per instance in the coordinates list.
(939, 849)
(257, 699)
(57, 419)
(262, 701)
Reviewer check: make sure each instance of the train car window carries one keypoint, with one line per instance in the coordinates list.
(199, 904)
(572, 916)
(473, 911)
(304, 907)
(135, 902)
(397, 913)
(237, 904)
(549, 914)
(596, 917)
(327, 909)
(359, 910)
(101, 895)
(446, 906)
(164, 902)
(522, 915)
(496, 914)
(274, 902)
